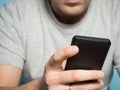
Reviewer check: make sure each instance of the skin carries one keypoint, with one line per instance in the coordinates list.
(69, 13)
(54, 77)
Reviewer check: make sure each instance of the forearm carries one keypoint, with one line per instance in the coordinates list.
(33, 85)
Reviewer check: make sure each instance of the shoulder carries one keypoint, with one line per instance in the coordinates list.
(19, 5)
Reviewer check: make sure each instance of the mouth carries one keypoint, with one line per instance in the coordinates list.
(72, 2)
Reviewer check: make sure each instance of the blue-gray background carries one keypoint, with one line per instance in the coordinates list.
(3, 1)
(115, 84)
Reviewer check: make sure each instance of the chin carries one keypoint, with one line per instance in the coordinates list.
(73, 11)
(72, 14)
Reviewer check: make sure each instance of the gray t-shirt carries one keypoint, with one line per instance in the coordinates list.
(30, 34)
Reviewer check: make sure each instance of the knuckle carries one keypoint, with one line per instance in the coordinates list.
(53, 58)
(94, 75)
(75, 76)
(48, 81)
(52, 79)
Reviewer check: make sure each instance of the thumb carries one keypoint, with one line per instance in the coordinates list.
(59, 56)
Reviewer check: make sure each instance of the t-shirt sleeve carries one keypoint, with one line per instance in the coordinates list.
(11, 40)
(116, 26)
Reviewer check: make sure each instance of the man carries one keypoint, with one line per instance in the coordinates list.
(35, 37)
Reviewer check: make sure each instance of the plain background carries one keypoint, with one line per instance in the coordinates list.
(3, 1)
(115, 84)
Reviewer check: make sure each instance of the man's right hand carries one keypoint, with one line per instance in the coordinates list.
(55, 78)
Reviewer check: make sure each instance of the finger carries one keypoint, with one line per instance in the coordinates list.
(72, 76)
(61, 55)
(59, 87)
(88, 86)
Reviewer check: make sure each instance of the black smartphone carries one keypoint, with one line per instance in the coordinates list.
(91, 55)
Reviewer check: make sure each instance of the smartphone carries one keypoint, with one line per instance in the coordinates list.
(91, 55)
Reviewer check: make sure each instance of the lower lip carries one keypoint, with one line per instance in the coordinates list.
(72, 1)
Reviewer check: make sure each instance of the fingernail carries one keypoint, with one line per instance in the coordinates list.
(74, 49)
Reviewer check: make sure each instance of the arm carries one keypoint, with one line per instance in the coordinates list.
(54, 78)
(10, 77)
